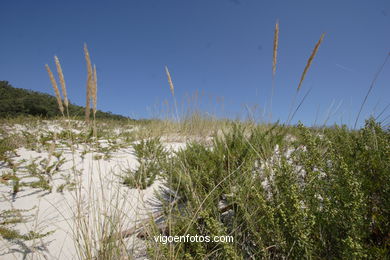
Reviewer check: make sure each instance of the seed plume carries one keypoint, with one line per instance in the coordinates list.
(56, 90)
(94, 89)
(170, 81)
(310, 60)
(276, 43)
(89, 83)
(62, 81)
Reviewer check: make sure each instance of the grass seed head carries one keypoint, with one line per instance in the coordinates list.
(62, 81)
(310, 60)
(89, 83)
(276, 43)
(56, 90)
(94, 89)
(170, 81)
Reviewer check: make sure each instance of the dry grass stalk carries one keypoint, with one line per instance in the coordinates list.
(172, 91)
(56, 90)
(89, 83)
(62, 81)
(170, 81)
(370, 88)
(51, 150)
(276, 43)
(94, 99)
(94, 90)
(310, 60)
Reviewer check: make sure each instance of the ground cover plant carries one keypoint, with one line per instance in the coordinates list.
(324, 195)
(281, 192)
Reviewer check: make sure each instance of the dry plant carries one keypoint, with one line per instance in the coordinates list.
(310, 60)
(99, 215)
(94, 90)
(370, 88)
(89, 83)
(56, 90)
(170, 81)
(94, 99)
(62, 82)
(51, 150)
(99, 219)
(308, 64)
(276, 44)
(274, 60)
(172, 90)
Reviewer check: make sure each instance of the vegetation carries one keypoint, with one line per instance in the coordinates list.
(324, 195)
(12, 217)
(281, 191)
(151, 156)
(22, 102)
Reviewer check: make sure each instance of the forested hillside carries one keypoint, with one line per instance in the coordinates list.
(23, 102)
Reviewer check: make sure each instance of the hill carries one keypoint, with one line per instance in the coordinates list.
(23, 102)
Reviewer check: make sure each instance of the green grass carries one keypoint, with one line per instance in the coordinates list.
(9, 218)
(324, 195)
(151, 157)
(280, 191)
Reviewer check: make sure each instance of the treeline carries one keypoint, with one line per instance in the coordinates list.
(22, 102)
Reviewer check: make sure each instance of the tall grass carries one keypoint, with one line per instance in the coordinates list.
(310, 60)
(89, 84)
(98, 218)
(62, 82)
(56, 90)
(322, 195)
(303, 76)
(370, 88)
(282, 192)
(274, 61)
(172, 89)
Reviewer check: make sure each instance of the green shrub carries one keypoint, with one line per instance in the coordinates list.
(151, 156)
(324, 195)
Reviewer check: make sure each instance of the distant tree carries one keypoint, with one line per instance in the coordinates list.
(17, 101)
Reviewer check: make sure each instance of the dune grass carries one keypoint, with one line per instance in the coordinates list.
(320, 195)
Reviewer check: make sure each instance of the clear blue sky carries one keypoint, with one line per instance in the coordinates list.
(222, 48)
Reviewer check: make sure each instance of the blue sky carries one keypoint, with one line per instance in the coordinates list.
(220, 48)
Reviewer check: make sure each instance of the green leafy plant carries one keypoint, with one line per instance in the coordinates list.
(323, 194)
(150, 155)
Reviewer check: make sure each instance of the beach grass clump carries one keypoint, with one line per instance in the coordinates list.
(151, 156)
(12, 217)
(324, 194)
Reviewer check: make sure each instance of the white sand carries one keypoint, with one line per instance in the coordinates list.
(55, 211)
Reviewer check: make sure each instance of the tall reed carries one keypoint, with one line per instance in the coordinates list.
(308, 64)
(370, 88)
(274, 60)
(172, 90)
(94, 99)
(94, 90)
(56, 90)
(310, 60)
(276, 44)
(89, 83)
(62, 82)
